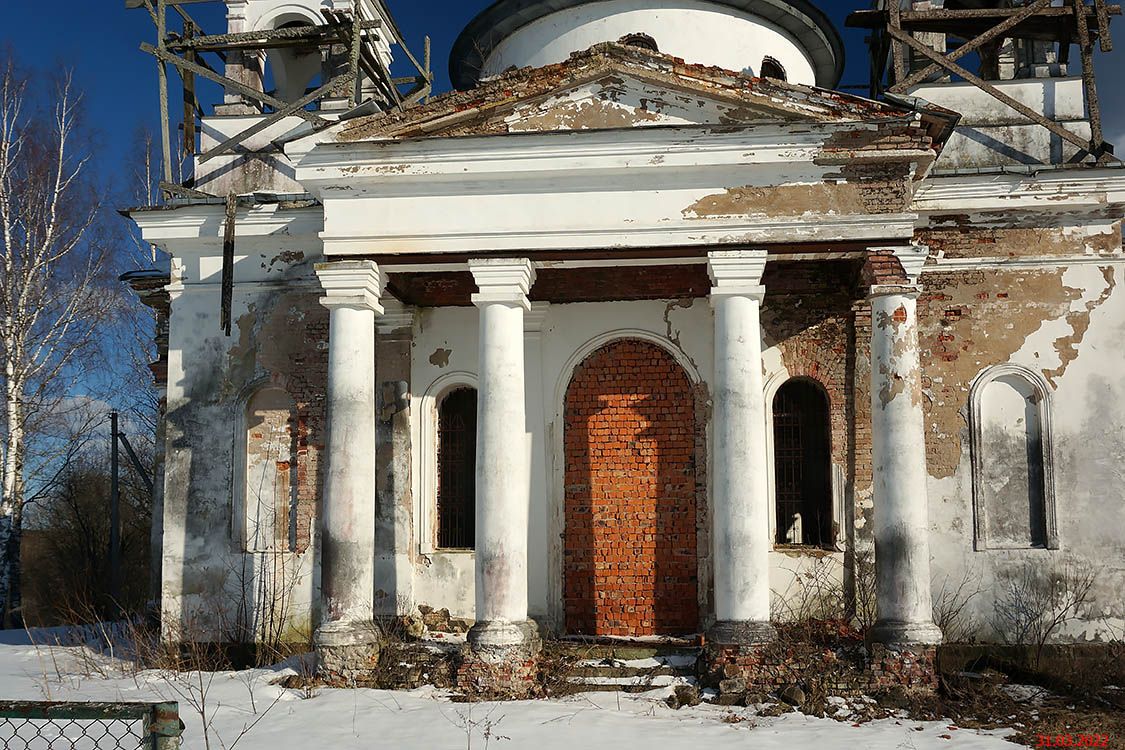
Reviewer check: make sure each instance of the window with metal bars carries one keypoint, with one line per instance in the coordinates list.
(802, 465)
(456, 469)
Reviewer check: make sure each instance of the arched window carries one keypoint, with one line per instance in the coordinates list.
(802, 465)
(456, 469)
(270, 493)
(771, 68)
(644, 41)
(293, 70)
(1013, 485)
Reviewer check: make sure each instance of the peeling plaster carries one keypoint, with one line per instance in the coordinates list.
(440, 357)
(781, 200)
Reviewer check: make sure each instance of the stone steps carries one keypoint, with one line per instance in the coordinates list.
(630, 667)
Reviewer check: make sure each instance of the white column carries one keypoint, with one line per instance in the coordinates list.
(898, 446)
(347, 513)
(503, 473)
(739, 497)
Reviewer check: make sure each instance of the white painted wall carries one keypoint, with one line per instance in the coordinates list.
(1088, 419)
(697, 31)
(991, 133)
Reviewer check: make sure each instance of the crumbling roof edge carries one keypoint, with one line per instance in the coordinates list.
(495, 93)
(285, 201)
(1026, 169)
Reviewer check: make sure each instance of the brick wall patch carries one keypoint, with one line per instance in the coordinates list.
(630, 547)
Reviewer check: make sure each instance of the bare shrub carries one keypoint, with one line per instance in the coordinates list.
(1036, 602)
(815, 593)
(951, 602)
(864, 606)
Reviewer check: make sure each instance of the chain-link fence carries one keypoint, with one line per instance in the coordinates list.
(33, 725)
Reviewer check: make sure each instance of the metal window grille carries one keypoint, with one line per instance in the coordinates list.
(457, 448)
(802, 476)
(34, 725)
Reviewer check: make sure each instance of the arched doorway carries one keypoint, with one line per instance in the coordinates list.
(630, 560)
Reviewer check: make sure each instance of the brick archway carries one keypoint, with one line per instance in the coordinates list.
(630, 562)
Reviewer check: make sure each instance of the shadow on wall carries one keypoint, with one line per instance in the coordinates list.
(631, 566)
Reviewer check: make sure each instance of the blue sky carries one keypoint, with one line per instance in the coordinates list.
(99, 40)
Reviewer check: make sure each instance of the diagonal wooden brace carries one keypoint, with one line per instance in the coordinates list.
(988, 88)
(1104, 39)
(973, 45)
(289, 109)
(230, 83)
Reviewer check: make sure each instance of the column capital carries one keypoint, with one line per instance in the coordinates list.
(351, 283)
(893, 290)
(911, 257)
(737, 273)
(503, 280)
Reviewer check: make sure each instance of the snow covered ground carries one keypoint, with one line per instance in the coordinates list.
(244, 707)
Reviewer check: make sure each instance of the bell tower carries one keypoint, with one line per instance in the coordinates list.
(281, 69)
(1006, 67)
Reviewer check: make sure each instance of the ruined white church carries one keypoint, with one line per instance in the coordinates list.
(638, 327)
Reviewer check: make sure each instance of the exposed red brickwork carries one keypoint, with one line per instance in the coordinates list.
(844, 670)
(631, 564)
(291, 342)
(512, 674)
(824, 336)
(882, 267)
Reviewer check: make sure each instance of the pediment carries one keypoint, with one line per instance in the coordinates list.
(618, 100)
(610, 86)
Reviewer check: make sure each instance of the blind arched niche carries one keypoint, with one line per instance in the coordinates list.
(1013, 476)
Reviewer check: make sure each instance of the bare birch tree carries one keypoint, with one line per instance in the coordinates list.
(53, 285)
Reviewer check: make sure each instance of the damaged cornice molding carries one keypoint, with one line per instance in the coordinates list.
(396, 316)
(912, 257)
(1044, 262)
(340, 169)
(205, 222)
(735, 231)
(1055, 190)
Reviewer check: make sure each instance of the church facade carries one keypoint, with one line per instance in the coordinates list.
(645, 330)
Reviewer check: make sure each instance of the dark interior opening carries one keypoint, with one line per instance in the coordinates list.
(644, 41)
(802, 465)
(457, 450)
(771, 68)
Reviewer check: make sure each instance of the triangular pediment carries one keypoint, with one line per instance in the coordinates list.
(622, 99)
(613, 86)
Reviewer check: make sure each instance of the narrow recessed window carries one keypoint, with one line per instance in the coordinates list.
(456, 469)
(270, 495)
(771, 68)
(802, 465)
(644, 41)
(1013, 490)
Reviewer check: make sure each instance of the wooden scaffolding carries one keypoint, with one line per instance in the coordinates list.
(184, 47)
(973, 29)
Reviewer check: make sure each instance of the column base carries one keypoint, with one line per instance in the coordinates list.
(501, 661)
(745, 674)
(347, 652)
(910, 667)
(899, 633)
(504, 635)
(741, 633)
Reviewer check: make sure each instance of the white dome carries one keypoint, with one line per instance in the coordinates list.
(736, 35)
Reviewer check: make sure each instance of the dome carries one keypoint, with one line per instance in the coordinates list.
(791, 38)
